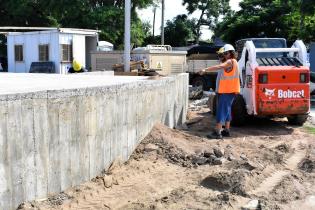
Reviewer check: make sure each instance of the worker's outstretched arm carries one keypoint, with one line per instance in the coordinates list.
(224, 65)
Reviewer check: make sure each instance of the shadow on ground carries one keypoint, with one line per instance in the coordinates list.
(204, 123)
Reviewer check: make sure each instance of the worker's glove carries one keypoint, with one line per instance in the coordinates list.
(202, 72)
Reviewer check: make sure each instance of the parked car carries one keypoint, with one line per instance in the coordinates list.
(3, 64)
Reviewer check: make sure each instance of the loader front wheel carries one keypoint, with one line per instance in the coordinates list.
(297, 119)
(239, 113)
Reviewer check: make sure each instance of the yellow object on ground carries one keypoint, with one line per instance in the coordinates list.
(76, 65)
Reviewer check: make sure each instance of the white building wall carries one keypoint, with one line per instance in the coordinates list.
(54, 51)
(10, 53)
(30, 44)
(13, 66)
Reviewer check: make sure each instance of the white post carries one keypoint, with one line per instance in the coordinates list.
(127, 35)
(162, 26)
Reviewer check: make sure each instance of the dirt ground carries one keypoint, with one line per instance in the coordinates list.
(267, 163)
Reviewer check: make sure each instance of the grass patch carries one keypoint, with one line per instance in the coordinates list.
(309, 129)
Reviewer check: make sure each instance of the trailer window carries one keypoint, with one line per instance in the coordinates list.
(66, 52)
(43, 52)
(18, 51)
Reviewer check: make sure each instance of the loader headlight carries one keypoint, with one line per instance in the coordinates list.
(263, 78)
(304, 78)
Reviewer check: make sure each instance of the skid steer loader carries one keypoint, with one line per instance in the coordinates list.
(275, 82)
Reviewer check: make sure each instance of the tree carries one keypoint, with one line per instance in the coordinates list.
(104, 15)
(290, 19)
(25, 13)
(211, 10)
(306, 8)
(180, 30)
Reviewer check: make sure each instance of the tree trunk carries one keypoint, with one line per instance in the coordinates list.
(302, 17)
(199, 22)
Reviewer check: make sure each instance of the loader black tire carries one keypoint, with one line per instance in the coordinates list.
(299, 119)
(312, 77)
(199, 81)
(239, 112)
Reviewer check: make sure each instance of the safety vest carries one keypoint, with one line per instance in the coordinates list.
(230, 80)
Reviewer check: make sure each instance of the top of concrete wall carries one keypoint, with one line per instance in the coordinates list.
(11, 83)
(142, 52)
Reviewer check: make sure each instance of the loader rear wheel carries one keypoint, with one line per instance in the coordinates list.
(239, 113)
(297, 119)
(199, 81)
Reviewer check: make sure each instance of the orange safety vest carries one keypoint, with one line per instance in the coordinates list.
(230, 80)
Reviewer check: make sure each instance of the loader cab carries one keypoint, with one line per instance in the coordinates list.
(264, 58)
(262, 43)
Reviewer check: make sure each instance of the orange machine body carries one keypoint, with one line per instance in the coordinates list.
(282, 90)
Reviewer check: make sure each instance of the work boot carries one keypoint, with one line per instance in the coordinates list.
(214, 135)
(226, 133)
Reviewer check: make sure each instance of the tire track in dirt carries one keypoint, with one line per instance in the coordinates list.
(138, 185)
(276, 177)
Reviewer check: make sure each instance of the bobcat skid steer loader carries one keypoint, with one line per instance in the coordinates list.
(275, 82)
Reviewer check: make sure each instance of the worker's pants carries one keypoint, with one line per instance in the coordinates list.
(224, 108)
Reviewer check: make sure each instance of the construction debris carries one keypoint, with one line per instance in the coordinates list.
(195, 92)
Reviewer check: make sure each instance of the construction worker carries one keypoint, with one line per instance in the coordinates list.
(211, 100)
(76, 67)
(228, 87)
(222, 59)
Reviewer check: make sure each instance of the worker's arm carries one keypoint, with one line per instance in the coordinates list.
(224, 65)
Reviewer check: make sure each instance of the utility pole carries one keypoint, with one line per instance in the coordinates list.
(127, 35)
(154, 11)
(162, 26)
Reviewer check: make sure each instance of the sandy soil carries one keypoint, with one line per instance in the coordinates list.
(267, 160)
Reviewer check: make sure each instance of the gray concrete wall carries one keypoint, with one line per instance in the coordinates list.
(55, 139)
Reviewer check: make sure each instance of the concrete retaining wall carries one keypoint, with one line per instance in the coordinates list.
(55, 139)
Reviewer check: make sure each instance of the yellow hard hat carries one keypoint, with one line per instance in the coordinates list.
(221, 50)
(76, 65)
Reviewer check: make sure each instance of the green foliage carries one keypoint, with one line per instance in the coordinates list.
(152, 40)
(210, 10)
(310, 129)
(25, 13)
(291, 19)
(180, 30)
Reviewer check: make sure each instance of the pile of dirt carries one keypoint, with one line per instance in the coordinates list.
(53, 201)
(58, 199)
(289, 189)
(183, 149)
(273, 156)
(284, 148)
(227, 181)
(195, 92)
(244, 164)
(307, 165)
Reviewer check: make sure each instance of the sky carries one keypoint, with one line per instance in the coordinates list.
(174, 8)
